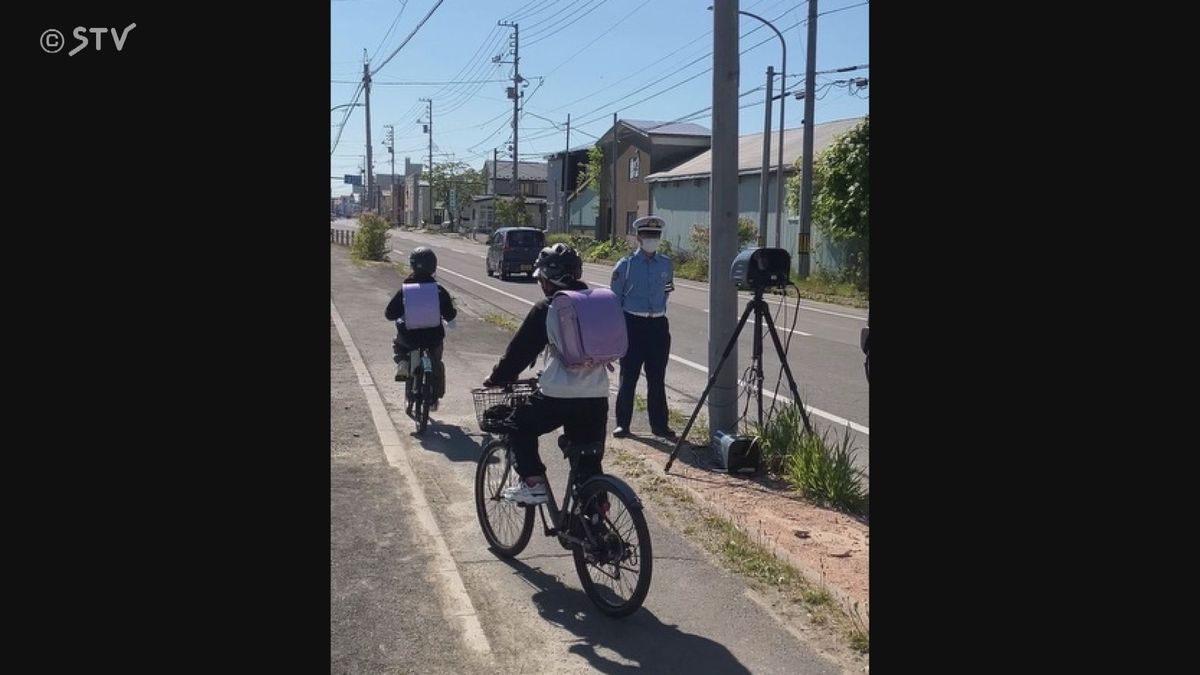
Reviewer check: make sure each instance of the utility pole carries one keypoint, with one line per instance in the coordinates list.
(723, 210)
(806, 181)
(429, 130)
(367, 90)
(562, 213)
(764, 184)
(780, 187)
(390, 142)
(613, 234)
(515, 94)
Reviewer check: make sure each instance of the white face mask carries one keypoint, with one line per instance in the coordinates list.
(650, 245)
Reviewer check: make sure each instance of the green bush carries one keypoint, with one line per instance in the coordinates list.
(700, 238)
(578, 242)
(747, 232)
(605, 251)
(695, 269)
(825, 472)
(371, 240)
(816, 468)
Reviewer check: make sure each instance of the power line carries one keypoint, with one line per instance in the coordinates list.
(843, 69)
(346, 118)
(839, 9)
(416, 84)
(459, 95)
(674, 70)
(389, 31)
(608, 106)
(410, 36)
(481, 49)
(471, 69)
(595, 39)
(550, 31)
(518, 16)
(535, 24)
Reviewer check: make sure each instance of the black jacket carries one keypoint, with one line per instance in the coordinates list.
(529, 341)
(422, 337)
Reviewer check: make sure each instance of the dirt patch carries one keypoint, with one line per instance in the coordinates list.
(831, 549)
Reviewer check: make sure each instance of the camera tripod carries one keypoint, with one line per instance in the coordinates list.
(762, 311)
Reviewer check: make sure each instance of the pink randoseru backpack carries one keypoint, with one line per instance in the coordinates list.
(592, 327)
(421, 307)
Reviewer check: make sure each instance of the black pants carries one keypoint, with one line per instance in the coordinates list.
(400, 350)
(649, 347)
(582, 419)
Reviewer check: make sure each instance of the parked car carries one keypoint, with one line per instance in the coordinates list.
(513, 250)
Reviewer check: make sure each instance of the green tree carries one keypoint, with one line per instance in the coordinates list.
(841, 203)
(512, 211)
(589, 177)
(458, 176)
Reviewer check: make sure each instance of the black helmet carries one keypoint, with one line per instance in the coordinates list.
(422, 260)
(559, 264)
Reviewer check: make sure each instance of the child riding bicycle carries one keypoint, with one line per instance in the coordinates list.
(418, 309)
(581, 332)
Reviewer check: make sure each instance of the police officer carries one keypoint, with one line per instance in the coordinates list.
(642, 281)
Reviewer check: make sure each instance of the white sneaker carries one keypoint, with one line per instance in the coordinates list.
(402, 371)
(524, 493)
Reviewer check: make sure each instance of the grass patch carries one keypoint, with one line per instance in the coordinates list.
(695, 269)
(639, 403)
(503, 321)
(743, 555)
(748, 558)
(735, 550)
(817, 468)
(676, 419)
(825, 472)
(824, 289)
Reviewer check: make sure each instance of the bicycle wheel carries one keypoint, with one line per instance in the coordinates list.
(616, 562)
(507, 526)
(425, 399)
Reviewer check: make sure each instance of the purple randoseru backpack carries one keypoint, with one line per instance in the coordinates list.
(592, 327)
(421, 308)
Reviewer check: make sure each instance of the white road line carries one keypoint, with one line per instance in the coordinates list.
(836, 419)
(841, 421)
(781, 330)
(487, 286)
(456, 603)
(824, 311)
(702, 289)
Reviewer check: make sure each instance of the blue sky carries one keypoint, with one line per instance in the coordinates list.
(573, 66)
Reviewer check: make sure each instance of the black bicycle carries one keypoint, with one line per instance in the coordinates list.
(600, 520)
(420, 388)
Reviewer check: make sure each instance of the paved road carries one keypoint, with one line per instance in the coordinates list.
(824, 353)
(697, 618)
